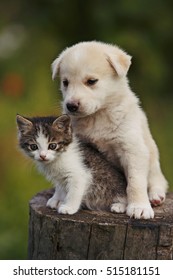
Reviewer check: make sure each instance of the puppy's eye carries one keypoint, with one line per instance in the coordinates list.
(91, 82)
(52, 146)
(65, 83)
(33, 147)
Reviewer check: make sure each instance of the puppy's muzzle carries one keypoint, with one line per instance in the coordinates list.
(72, 107)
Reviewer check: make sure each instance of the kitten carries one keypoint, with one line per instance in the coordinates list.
(82, 177)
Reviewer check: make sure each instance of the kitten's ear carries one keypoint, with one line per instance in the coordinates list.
(62, 123)
(24, 125)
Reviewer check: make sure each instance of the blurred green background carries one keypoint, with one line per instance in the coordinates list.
(32, 33)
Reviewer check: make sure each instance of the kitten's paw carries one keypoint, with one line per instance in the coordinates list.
(156, 197)
(140, 211)
(52, 203)
(118, 207)
(65, 209)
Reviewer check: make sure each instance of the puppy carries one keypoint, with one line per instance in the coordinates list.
(105, 111)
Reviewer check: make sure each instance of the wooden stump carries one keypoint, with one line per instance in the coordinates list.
(98, 235)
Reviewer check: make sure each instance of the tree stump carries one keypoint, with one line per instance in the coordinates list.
(98, 235)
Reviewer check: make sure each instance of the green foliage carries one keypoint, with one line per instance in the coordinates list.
(32, 33)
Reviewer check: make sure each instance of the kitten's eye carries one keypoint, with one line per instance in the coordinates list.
(52, 146)
(65, 83)
(33, 147)
(91, 82)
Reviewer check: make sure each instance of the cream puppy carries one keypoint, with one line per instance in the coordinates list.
(104, 110)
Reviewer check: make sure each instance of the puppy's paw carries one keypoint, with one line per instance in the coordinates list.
(156, 197)
(66, 209)
(52, 203)
(118, 207)
(140, 211)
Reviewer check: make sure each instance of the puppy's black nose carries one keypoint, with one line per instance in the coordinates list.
(73, 106)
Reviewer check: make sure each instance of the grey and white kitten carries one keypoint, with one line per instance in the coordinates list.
(82, 177)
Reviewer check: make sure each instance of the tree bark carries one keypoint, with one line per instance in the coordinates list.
(98, 235)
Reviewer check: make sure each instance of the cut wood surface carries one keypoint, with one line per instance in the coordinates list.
(98, 235)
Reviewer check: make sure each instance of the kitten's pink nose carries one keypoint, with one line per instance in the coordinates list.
(43, 157)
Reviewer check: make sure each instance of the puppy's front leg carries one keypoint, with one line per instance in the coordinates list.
(136, 165)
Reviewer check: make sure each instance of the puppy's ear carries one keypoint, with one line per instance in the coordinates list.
(56, 64)
(119, 61)
(55, 67)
